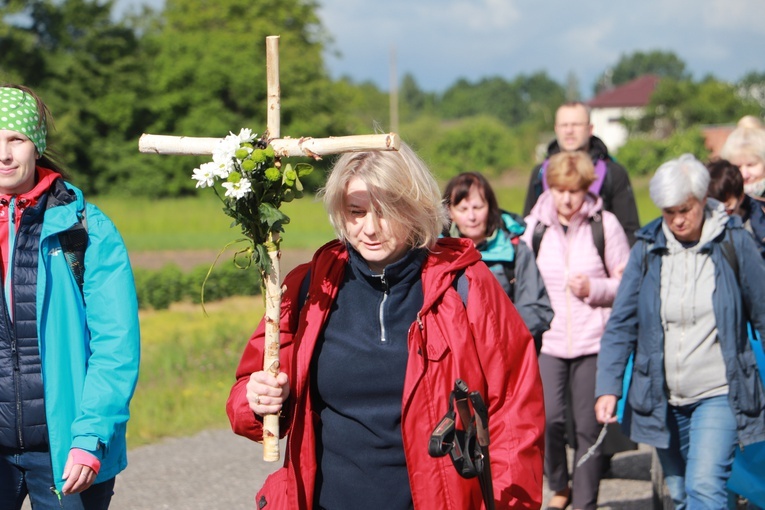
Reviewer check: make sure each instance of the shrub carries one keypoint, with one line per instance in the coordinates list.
(157, 289)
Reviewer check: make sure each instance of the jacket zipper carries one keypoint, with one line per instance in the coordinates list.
(8, 317)
(381, 313)
(569, 341)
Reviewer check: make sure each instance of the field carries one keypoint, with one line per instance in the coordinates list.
(188, 359)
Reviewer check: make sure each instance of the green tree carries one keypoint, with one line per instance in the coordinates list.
(662, 63)
(683, 104)
(89, 69)
(531, 98)
(540, 97)
(480, 143)
(642, 154)
(752, 86)
(414, 101)
(489, 96)
(208, 77)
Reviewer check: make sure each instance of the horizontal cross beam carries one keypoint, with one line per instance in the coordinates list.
(283, 147)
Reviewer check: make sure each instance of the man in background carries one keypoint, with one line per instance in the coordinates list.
(573, 132)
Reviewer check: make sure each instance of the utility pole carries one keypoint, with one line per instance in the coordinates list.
(393, 92)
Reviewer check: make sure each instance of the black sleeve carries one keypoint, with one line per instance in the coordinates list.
(619, 199)
(535, 189)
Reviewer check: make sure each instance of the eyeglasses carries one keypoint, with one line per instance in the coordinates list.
(572, 125)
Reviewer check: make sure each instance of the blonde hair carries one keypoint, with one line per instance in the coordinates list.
(573, 170)
(402, 190)
(748, 139)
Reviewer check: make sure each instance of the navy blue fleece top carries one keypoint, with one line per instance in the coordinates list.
(357, 377)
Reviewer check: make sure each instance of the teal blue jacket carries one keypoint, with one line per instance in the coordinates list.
(90, 350)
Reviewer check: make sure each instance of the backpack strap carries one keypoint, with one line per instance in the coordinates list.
(598, 238)
(729, 252)
(536, 239)
(74, 242)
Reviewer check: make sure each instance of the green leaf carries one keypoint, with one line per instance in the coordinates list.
(303, 169)
(270, 215)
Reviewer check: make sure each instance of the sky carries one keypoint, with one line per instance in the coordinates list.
(441, 41)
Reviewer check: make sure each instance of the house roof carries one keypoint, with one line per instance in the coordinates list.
(634, 93)
(715, 137)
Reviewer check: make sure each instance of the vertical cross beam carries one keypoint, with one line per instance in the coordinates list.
(283, 147)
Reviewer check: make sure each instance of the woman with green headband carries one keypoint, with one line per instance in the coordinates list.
(69, 336)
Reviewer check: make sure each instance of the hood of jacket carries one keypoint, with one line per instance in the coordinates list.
(597, 149)
(715, 219)
(499, 246)
(544, 211)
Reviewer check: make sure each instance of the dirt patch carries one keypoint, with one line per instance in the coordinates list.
(189, 259)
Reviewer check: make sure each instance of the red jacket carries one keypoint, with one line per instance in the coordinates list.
(483, 342)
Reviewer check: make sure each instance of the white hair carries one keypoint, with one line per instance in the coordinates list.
(677, 180)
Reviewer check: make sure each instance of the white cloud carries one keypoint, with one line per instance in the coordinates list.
(439, 41)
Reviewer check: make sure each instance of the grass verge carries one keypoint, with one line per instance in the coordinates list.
(187, 367)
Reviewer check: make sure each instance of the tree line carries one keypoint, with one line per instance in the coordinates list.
(197, 68)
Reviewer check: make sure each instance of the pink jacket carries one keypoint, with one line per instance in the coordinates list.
(578, 323)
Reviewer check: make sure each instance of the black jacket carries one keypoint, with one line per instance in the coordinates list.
(616, 192)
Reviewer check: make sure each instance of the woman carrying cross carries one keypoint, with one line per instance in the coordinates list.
(374, 333)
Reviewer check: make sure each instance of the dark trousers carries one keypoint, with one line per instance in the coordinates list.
(31, 474)
(578, 375)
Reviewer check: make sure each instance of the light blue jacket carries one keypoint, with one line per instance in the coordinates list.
(90, 351)
(635, 328)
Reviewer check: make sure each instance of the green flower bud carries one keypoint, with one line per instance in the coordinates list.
(248, 165)
(241, 153)
(234, 177)
(269, 152)
(273, 174)
(258, 156)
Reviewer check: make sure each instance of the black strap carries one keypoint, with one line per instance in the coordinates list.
(599, 238)
(729, 252)
(536, 240)
(74, 242)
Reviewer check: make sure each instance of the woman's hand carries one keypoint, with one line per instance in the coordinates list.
(79, 477)
(266, 394)
(619, 270)
(605, 408)
(579, 285)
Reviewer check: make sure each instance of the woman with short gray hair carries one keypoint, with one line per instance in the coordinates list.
(693, 281)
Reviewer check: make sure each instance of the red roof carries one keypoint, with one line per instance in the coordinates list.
(715, 137)
(634, 93)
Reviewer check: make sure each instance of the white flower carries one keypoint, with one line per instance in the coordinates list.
(226, 149)
(223, 168)
(246, 135)
(205, 175)
(237, 189)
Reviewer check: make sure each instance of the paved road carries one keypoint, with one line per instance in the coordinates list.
(216, 470)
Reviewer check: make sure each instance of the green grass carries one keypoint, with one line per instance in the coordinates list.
(188, 363)
(199, 223)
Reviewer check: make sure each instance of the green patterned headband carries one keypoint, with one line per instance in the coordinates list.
(18, 112)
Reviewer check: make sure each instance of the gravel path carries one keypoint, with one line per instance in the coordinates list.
(217, 470)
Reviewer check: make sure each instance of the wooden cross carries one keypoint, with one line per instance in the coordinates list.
(283, 147)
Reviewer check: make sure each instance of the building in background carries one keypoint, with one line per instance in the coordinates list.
(627, 101)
